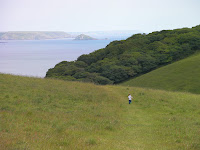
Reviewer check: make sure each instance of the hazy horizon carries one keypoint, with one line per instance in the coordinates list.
(70, 31)
(94, 16)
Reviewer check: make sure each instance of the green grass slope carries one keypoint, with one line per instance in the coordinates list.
(41, 114)
(183, 75)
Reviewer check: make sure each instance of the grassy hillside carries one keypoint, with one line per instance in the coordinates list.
(183, 75)
(41, 114)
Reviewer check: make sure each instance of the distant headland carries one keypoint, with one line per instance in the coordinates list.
(43, 35)
(33, 35)
(84, 37)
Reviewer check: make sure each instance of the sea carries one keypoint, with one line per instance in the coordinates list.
(34, 57)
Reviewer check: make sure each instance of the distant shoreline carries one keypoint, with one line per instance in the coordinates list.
(33, 35)
(6, 41)
(36, 39)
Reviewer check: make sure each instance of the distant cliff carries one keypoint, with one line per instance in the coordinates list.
(84, 37)
(33, 35)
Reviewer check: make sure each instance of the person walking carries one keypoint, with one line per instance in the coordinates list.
(130, 98)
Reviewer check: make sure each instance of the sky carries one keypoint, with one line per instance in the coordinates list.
(98, 15)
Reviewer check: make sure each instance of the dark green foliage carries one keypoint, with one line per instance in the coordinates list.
(88, 59)
(100, 80)
(81, 64)
(124, 59)
(115, 73)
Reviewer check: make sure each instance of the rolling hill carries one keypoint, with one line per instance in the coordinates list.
(183, 75)
(53, 114)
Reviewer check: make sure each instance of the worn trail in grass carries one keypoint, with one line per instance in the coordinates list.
(52, 114)
(160, 120)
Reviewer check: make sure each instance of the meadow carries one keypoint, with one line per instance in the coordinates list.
(50, 114)
(182, 76)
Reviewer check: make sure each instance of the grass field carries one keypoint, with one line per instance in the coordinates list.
(47, 114)
(183, 75)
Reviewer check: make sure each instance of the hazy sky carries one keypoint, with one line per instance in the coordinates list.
(98, 15)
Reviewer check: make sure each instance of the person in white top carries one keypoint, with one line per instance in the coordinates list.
(130, 98)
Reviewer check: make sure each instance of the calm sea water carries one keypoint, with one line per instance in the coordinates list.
(34, 58)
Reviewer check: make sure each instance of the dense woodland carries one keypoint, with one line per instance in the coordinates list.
(139, 54)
